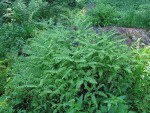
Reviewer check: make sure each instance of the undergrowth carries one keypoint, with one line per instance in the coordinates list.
(51, 60)
(72, 71)
(120, 13)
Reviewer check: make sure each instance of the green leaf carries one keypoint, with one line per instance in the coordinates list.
(87, 95)
(98, 111)
(109, 106)
(128, 70)
(79, 83)
(80, 100)
(94, 100)
(101, 94)
(100, 72)
(91, 80)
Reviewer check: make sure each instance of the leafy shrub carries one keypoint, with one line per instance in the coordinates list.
(13, 36)
(121, 13)
(3, 71)
(136, 15)
(14, 33)
(140, 92)
(4, 11)
(38, 9)
(24, 21)
(70, 68)
(71, 71)
(136, 18)
(25, 17)
(23, 11)
(102, 14)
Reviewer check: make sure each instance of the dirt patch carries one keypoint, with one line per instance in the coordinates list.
(130, 34)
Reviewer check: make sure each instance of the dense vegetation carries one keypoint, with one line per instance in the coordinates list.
(52, 61)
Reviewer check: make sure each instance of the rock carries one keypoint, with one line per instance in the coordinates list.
(130, 34)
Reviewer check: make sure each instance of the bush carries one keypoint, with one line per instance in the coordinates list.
(23, 11)
(4, 11)
(13, 36)
(67, 67)
(121, 13)
(136, 18)
(25, 19)
(3, 72)
(71, 71)
(38, 9)
(139, 94)
(102, 14)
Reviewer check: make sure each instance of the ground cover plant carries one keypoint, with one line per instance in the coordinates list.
(52, 61)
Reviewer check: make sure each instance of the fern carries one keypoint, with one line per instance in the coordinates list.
(58, 77)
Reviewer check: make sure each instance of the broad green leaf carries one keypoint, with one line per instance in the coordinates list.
(79, 83)
(101, 94)
(91, 80)
(94, 100)
(100, 72)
